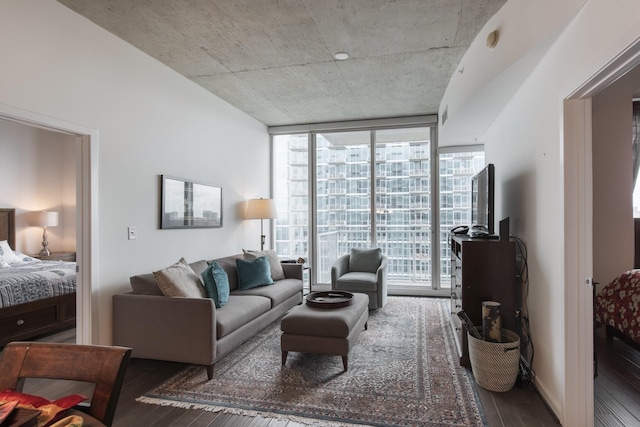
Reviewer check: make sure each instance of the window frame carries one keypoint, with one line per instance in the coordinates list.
(418, 178)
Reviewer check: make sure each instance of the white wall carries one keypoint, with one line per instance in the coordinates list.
(525, 143)
(39, 170)
(613, 229)
(150, 121)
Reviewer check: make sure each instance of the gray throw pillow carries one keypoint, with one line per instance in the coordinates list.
(365, 260)
(145, 284)
(199, 266)
(277, 273)
(179, 280)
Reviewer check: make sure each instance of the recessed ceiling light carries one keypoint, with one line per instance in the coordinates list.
(341, 56)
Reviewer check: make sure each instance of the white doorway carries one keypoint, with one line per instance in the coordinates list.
(86, 141)
(578, 224)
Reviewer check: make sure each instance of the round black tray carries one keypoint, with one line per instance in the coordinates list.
(329, 299)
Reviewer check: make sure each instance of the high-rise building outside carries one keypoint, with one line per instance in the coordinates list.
(402, 178)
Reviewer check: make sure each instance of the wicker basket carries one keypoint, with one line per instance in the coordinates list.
(495, 364)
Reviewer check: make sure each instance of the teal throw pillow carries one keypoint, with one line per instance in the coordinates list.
(254, 273)
(216, 282)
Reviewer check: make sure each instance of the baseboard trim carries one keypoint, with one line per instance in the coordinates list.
(552, 405)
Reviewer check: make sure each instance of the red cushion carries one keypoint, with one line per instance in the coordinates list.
(50, 408)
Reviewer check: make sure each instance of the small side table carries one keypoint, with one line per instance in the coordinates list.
(306, 272)
(57, 256)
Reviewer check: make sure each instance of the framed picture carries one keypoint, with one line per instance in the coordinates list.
(190, 204)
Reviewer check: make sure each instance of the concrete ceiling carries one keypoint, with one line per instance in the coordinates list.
(273, 59)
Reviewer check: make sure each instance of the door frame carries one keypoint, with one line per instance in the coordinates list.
(578, 398)
(86, 140)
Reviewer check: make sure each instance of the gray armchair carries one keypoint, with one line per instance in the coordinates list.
(362, 271)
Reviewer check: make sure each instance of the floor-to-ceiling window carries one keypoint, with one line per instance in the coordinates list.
(403, 203)
(456, 167)
(337, 190)
(343, 196)
(291, 194)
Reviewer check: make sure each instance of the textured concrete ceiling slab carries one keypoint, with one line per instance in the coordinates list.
(273, 59)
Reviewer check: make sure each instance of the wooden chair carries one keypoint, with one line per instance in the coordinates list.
(103, 366)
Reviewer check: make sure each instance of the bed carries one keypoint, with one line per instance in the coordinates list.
(617, 306)
(36, 297)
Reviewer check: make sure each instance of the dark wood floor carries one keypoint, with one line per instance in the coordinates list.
(617, 386)
(617, 400)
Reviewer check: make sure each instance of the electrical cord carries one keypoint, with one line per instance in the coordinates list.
(522, 318)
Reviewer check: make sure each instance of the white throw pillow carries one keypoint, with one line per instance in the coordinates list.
(277, 273)
(6, 253)
(179, 280)
(24, 258)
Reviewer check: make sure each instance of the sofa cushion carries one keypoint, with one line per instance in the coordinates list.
(179, 280)
(145, 284)
(216, 283)
(252, 274)
(277, 273)
(358, 282)
(228, 264)
(199, 266)
(239, 311)
(278, 293)
(365, 259)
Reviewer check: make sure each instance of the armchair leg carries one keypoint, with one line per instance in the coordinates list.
(210, 372)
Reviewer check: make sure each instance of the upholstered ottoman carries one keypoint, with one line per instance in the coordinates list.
(324, 331)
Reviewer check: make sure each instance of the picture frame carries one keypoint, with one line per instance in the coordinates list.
(189, 204)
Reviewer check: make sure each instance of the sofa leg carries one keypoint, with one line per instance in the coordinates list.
(210, 372)
(345, 362)
(284, 357)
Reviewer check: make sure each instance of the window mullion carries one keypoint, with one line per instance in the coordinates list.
(372, 183)
(435, 211)
(313, 206)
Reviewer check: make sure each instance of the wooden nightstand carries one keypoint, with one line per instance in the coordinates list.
(57, 256)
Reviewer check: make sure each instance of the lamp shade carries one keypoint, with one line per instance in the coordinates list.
(261, 209)
(43, 218)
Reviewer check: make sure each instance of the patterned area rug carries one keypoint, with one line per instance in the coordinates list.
(403, 371)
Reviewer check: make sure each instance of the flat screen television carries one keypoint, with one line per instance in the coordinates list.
(482, 199)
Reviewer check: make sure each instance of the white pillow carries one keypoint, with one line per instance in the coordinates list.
(277, 272)
(6, 254)
(24, 258)
(179, 280)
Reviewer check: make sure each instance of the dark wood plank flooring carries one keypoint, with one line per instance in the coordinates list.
(617, 395)
(617, 385)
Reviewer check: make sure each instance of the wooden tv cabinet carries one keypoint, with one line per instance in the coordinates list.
(482, 270)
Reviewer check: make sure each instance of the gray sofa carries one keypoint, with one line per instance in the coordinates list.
(193, 330)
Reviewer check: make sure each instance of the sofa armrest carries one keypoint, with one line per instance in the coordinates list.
(291, 270)
(165, 328)
(381, 273)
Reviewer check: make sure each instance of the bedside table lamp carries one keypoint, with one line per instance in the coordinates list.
(44, 219)
(261, 209)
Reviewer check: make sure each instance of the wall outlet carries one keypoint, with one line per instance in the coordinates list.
(133, 233)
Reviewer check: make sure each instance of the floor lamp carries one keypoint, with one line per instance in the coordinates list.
(44, 219)
(261, 209)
